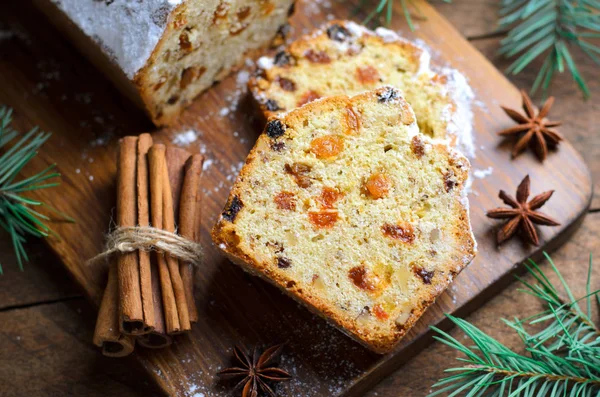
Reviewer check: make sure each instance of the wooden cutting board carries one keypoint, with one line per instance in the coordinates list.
(49, 84)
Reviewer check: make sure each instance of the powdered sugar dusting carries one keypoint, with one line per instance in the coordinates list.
(126, 30)
(482, 173)
(185, 138)
(461, 120)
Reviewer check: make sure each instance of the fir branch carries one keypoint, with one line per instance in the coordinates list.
(551, 28)
(382, 11)
(536, 28)
(17, 216)
(561, 359)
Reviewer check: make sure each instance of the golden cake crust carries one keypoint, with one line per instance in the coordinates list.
(372, 302)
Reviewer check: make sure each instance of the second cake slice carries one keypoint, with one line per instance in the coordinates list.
(347, 207)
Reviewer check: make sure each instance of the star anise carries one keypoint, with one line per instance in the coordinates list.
(523, 214)
(533, 128)
(255, 371)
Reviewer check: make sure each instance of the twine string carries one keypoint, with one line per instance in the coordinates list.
(147, 238)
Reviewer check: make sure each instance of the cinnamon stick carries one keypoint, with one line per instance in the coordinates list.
(157, 338)
(173, 263)
(189, 210)
(158, 170)
(107, 334)
(176, 160)
(143, 212)
(131, 316)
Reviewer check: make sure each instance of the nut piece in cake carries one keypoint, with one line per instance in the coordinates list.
(162, 54)
(360, 226)
(346, 58)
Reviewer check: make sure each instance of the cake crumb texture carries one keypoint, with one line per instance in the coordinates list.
(172, 50)
(346, 58)
(344, 205)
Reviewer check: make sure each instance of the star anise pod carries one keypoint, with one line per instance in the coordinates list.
(255, 371)
(533, 128)
(523, 214)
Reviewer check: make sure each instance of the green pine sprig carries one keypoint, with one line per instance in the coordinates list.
(563, 359)
(550, 28)
(17, 215)
(383, 10)
(535, 28)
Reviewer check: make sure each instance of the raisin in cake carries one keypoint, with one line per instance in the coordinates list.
(163, 53)
(346, 58)
(344, 205)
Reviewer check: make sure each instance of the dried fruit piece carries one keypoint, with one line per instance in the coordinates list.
(285, 201)
(220, 12)
(275, 129)
(232, 209)
(380, 313)
(286, 84)
(425, 275)
(449, 182)
(378, 185)
(352, 121)
(359, 277)
(390, 94)
(271, 105)
(323, 219)
(328, 197)
(367, 75)
(282, 58)
(184, 42)
(300, 173)
(278, 146)
(417, 146)
(243, 13)
(327, 146)
(283, 263)
(317, 56)
(404, 232)
(188, 76)
(308, 96)
(338, 33)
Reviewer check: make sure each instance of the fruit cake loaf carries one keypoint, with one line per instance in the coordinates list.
(344, 205)
(163, 53)
(346, 58)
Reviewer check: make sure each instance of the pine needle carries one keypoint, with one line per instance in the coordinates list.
(17, 216)
(536, 28)
(550, 28)
(562, 359)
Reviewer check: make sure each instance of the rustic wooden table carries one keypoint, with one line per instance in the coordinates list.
(46, 325)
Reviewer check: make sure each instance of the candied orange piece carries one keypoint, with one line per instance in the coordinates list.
(328, 197)
(367, 75)
(380, 313)
(378, 185)
(323, 219)
(285, 201)
(359, 277)
(328, 146)
(352, 121)
(403, 232)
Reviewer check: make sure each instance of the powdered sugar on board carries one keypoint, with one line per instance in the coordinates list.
(126, 30)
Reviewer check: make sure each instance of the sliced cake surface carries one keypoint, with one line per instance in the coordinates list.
(163, 53)
(347, 207)
(346, 58)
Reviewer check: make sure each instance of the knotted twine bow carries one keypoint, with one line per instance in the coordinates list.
(147, 238)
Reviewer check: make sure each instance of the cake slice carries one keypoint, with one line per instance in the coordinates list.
(346, 58)
(163, 53)
(344, 205)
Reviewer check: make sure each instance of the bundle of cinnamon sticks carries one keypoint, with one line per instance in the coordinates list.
(149, 296)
